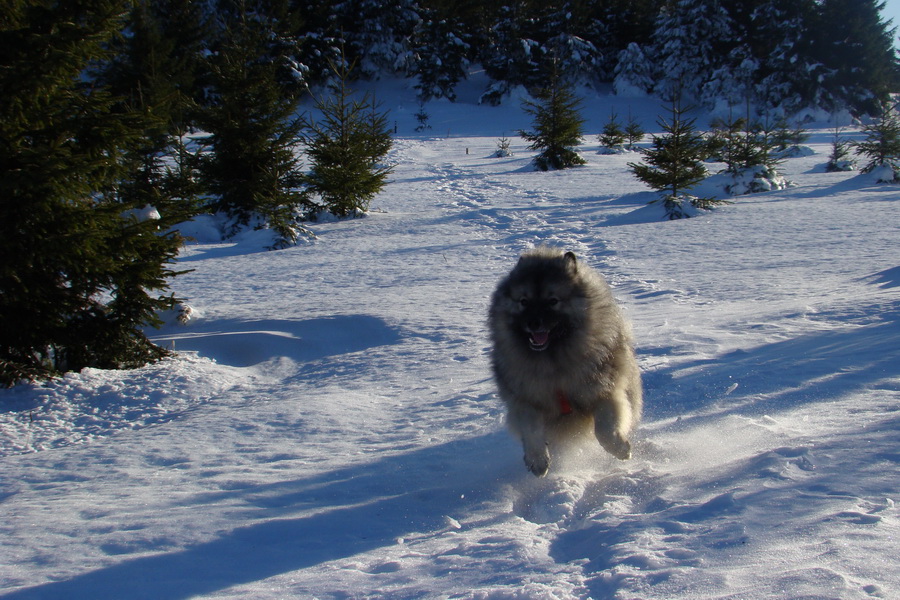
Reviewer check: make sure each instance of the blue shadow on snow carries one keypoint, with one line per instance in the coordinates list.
(242, 343)
(350, 511)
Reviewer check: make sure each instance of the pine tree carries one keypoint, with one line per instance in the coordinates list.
(692, 43)
(422, 117)
(840, 158)
(624, 22)
(512, 54)
(376, 34)
(675, 165)
(882, 144)
(720, 129)
(503, 148)
(80, 276)
(252, 168)
(786, 140)
(566, 49)
(440, 59)
(158, 64)
(157, 69)
(613, 135)
(735, 142)
(346, 148)
(320, 41)
(856, 46)
(558, 126)
(780, 36)
(750, 155)
(634, 133)
(633, 72)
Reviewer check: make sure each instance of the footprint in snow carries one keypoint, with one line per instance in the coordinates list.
(550, 500)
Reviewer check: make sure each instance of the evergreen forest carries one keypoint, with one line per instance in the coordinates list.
(830, 54)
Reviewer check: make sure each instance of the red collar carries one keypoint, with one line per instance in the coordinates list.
(565, 407)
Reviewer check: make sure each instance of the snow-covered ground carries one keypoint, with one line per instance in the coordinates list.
(330, 429)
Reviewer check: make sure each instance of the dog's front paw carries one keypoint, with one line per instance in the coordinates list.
(615, 444)
(538, 463)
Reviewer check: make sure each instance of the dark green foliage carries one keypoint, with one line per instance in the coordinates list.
(736, 142)
(376, 35)
(716, 138)
(558, 126)
(503, 148)
(321, 38)
(570, 43)
(157, 69)
(826, 53)
(674, 164)
(634, 133)
(422, 117)
(80, 277)
(785, 137)
(513, 56)
(440, 57)
(158, 64)
(526, 43)
(857, 49)
(751, 151)
(881, 145)
(613, 135)
(840, 158)
(251, 167)
(823, 53)
(691, 51)
(743, 142)
(778, 37)
(346, 148)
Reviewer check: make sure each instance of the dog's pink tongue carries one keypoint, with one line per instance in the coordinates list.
(539, 338)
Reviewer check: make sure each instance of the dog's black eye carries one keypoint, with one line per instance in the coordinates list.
(553, 301)
(523, 301)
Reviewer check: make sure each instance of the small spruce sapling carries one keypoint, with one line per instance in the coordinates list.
(748, 149)
(634, 133)
(674, 165)
(840, 158)
(250, 165)
(503, 148)
(346, 148)
(786, 140)
(558, 126)
(882, 145)
(422, 118)
(762, 174)
(725, 141)
(613, 136)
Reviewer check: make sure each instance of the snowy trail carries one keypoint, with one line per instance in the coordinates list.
(331, 430)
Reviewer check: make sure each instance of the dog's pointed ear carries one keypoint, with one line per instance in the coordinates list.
(571, 261)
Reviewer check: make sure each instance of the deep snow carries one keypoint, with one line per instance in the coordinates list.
(329, 428)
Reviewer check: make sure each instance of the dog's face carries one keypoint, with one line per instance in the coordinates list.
(541, 302)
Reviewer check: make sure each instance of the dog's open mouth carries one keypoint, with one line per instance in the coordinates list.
(539, 340)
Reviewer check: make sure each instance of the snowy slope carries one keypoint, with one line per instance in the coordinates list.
(330, 430)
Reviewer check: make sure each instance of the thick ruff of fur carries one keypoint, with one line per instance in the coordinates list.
(562, 356)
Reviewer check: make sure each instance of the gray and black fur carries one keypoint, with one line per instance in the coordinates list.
(562, 356)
